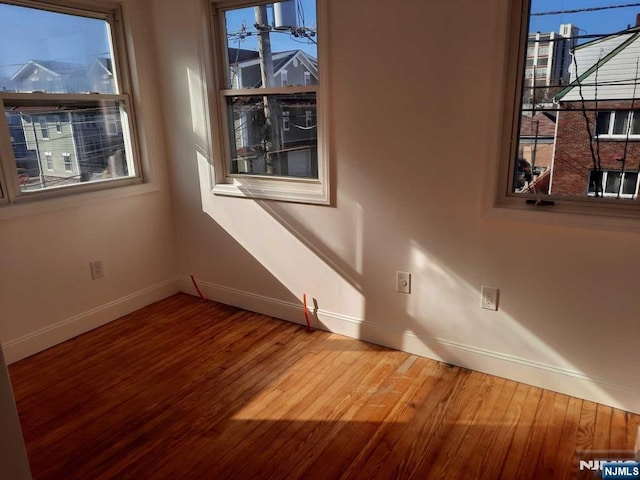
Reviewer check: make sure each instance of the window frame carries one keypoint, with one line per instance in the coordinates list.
(111, 13)
(66, 161)
(223, 182)
(502, 197)
(43, 125)
(48, 157)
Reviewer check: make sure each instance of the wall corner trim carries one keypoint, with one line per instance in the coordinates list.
(68, 328)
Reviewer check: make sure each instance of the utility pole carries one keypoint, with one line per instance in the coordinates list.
(271, 141)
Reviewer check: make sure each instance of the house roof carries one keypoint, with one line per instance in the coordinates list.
(240, 55)
(614, 70)
(544, 121)
(54, 67)
(248, 60)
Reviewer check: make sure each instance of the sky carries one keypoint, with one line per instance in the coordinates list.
(595, 22)
(29, 34)
(305, 9)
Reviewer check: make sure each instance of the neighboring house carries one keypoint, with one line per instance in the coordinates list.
(59, 146)
(50, 76)
(64, 77)
(294, 117)
(548, 62)
(597, 150)
(68, 146)
(293, 67)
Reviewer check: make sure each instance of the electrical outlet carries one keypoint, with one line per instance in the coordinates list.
(403, 282)
(489, 298)
(96, 269)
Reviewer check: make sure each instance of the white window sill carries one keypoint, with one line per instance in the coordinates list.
(618, 137)
(281, 189)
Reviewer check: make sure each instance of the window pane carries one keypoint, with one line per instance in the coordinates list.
(84, 149)
(612, 184)
(54, 52)
(635, 123)
(629, 183)
(602, 123)
(595, 182)
(272, 45)
(620, 122)
(265, 141)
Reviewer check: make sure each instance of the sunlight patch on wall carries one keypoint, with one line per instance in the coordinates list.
(197, 102)
(445, 312)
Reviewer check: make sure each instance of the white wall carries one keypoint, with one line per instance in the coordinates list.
(46, 291)
(415, 117)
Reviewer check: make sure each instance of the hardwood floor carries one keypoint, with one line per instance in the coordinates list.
(190, 389)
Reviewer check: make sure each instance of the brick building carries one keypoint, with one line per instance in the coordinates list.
(597, 151)
(606, 166)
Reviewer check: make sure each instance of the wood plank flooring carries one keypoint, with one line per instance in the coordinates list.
(191, 389)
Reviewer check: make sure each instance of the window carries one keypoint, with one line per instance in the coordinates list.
(112, 126)
(49, 159)
(609, 183)
(268, 55)
(619, 123)
(44, 128)
(48, 84)
(66, 158)
(572, 136)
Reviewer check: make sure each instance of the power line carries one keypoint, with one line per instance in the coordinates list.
(579, 10)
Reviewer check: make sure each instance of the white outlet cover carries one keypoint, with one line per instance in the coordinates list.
(489, 298)
(403, 282)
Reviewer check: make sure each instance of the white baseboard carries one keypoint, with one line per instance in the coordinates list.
(558, 379)
(59, 332)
